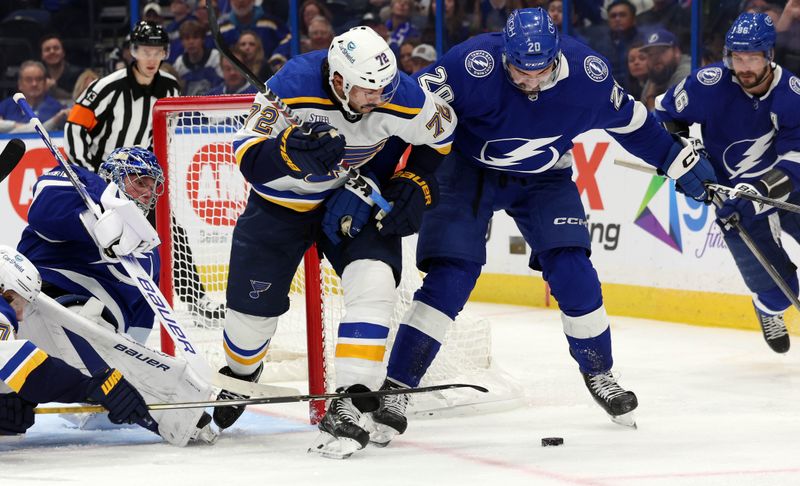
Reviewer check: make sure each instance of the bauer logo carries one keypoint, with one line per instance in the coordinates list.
(214, 186)
(479, 64)
(595, 68)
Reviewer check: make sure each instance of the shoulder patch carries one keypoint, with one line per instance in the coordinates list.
(479, 63)
(794, 83)
(709, 76)
(595, 68)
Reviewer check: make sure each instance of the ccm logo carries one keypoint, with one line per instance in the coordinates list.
(578, 221)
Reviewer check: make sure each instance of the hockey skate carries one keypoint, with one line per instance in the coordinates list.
(390, 418)
(204, 434)
(618, 403)
(774, 329)
(342, 429)
(224, 417)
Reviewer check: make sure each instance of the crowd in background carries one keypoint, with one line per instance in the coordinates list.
(645, 41)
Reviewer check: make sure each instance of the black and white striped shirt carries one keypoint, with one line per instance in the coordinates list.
(114, 111)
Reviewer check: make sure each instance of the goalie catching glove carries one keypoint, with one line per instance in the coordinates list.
(774, 184)
(122, 227)
(689, 168)
(410, 194)
(311, 149)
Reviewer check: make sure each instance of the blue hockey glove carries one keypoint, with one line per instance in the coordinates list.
(347, 210)
(314, 148)
(689, 169)
(774, 184)
(410, 194)
(120, 398)
(16, 414)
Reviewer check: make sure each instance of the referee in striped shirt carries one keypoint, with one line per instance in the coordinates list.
(115, 111)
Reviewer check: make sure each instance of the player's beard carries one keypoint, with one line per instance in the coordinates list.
(756, 79)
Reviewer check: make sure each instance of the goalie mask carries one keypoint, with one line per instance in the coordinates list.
(362, 58)
(129, 168)
(531, 44)
(17, 273)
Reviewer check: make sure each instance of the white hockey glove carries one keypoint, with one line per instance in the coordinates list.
(123, 227)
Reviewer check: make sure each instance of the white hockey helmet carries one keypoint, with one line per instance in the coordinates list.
(17, 273)
(362, 58)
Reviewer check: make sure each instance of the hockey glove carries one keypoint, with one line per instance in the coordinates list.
(313, 149)
(774, 184)
(16, 414)
(410, 195)
(122, 227)
(120, 398)
(348, 209)
(689, 169)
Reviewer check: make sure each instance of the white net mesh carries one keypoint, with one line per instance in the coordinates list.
(206, 195)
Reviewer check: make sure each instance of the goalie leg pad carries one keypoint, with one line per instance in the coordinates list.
(369, 296)
(246, 340)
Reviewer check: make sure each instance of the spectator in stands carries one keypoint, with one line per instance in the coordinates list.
(422, 56)
(668, 15)
(637, 70)
(86, 78)
(61, 75)
(614, 39)
(181, 10)
(32, 82)
(399, 24)
(233, 81)
(666, 65)
(404, 57)
(201, 14)
(456, 24)
(152, 13)
(374, 22)
(246, 16)
(320, 36)
(198, 67)
(308, 11)
(120, 57)
(491, 15)
(252, 54)
(787, 46)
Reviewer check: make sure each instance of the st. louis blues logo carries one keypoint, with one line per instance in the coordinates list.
(258, 287)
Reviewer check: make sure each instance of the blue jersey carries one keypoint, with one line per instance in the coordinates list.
(57, 243)
(502, 128)
(745, 135)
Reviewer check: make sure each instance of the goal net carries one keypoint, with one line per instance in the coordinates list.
(204, 195)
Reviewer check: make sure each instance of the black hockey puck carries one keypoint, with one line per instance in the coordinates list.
(552, 441)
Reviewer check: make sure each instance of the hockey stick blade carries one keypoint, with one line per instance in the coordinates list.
(10, 157)
(269, 400)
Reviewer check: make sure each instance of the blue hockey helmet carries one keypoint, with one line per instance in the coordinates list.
(135, 162)
(530, 39)
(750, 32)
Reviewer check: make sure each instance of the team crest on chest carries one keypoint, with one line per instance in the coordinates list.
(794, 83)
(709, 76)
(595, 68)
(479, 63)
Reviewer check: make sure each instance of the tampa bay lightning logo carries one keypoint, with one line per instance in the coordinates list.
(709, 76)
(520, 154)
(794, 83)
(742, 157)
(479, 63)
(595, 68)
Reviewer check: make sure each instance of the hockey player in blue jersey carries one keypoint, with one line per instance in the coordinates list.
(747, 107)
(521, 96)
(353, 100)
(29, 376)
(75, 253)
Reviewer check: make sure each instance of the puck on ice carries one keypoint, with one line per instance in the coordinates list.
(552, 441)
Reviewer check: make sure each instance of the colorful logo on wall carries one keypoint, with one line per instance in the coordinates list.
(666, 228)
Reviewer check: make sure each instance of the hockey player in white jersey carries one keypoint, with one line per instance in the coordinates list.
(353, 100)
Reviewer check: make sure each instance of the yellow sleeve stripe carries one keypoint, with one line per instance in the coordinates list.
(402, 109)
(301, 206)
(371, 353)
(245, 147)
(17, 379)
(444, 149)
(244, 361)
(308, 99)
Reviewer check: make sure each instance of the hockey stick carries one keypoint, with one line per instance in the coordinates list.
(730, 192)
(736, 225)
(150, 291)
(10, 157)
(268, 400)
(284, 110)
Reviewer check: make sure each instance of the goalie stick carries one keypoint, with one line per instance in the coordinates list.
(356, 180)
(737, 225)
(150, 291)
(10, 157)
(268, 400)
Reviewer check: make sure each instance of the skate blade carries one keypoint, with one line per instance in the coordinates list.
(331, 447)
(626, 419)
(381, 435)
(206, 435)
